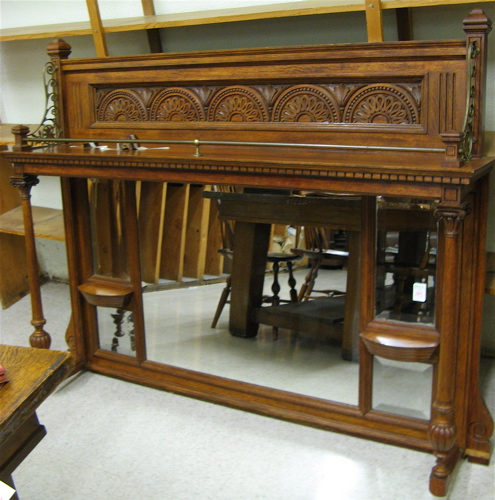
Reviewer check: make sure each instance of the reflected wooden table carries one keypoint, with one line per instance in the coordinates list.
(254, 213)
(33, 375)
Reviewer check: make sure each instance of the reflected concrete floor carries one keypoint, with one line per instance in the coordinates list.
(178, 333)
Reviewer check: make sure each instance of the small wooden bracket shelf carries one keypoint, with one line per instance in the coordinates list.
(107, 292)
(412, 347)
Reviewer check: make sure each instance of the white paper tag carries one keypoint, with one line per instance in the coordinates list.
(419, 292)
(6, 492)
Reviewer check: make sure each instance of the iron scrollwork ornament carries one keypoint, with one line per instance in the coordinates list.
(49, 127)
(468, 138)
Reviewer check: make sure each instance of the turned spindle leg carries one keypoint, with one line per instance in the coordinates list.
(292, 282)
(275, 297)
(39, 338)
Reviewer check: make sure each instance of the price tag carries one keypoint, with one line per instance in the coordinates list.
(419, 292)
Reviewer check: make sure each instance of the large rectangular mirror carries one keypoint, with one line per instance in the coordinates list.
(262, 287)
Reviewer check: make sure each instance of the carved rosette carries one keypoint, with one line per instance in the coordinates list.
(122, 106)
(176, 105)
(378, 103)
(480, 431)
(306, 103)
(388, 104)
(238, 104)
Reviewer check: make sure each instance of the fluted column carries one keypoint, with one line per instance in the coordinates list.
(443, 430)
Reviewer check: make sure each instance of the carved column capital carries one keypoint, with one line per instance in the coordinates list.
(24, 183)
(452, 216)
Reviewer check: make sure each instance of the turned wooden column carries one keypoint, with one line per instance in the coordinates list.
(442, 430)
(39, 338)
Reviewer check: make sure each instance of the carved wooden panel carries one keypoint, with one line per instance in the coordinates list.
(374, 103)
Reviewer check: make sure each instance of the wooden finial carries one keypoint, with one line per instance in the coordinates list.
(477, 22)
(20, 133)
(59, 48)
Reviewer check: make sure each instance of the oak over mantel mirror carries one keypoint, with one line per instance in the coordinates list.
(195, 249)
(348, 296)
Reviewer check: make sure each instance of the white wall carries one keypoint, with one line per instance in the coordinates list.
(22, 62)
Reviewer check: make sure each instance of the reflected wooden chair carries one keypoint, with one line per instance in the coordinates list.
(407, 271)
(276, 259)
(406, 253)
(331, 313)
(319, 250)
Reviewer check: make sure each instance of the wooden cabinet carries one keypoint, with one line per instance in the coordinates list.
(14, 282)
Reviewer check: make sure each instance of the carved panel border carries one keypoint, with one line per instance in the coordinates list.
(303, 104)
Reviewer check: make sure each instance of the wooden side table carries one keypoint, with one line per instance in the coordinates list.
(33, 375)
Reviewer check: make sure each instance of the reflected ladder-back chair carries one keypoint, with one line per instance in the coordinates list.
(319, 252)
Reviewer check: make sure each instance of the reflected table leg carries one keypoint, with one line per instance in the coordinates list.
(248, 274)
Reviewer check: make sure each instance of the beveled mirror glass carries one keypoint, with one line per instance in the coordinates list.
(406, 261)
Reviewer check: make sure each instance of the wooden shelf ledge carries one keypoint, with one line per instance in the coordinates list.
(291, 9)
(48, 223)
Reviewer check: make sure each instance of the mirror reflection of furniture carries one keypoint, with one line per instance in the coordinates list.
(330, 312)
(254, 213)
(273, 258)
(326, 246)
(407, 274)
(406, 261)
(320, 252)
